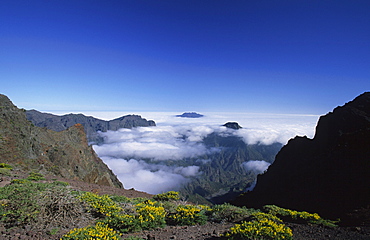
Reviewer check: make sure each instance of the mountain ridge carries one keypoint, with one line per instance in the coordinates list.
(65, 153)
(91, 125)
(328, 174)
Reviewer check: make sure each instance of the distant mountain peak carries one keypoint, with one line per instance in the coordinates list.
(233, 125)
(190, 115)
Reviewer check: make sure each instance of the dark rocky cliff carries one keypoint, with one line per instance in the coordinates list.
(91, 125)
(329, 174)
(64, 153)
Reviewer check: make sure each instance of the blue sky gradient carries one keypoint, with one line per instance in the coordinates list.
(238, 56)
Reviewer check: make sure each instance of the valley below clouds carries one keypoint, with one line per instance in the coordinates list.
(169, 155)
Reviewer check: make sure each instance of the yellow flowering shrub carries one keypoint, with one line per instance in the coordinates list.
(151, 214)
(262, 226)
(101, 204)
(296, 216)
(189, 215)
(167, 196)
(100, 231)
(147, 215)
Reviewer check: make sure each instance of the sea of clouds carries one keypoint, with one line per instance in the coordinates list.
(138, 156)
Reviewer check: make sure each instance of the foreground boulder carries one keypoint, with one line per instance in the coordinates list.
(329, 174)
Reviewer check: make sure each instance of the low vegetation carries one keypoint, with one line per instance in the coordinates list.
(261, 226)
(54, 207)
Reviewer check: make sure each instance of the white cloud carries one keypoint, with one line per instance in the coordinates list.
(256, 166)
(157, 143)
(150, 178)
(178, 138)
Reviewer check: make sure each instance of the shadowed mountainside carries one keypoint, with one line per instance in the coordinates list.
(91, 125)
(329, 174)
(223, 175)
(65, 153)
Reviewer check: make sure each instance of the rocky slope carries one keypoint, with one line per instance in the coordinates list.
(91, 125)
(223, 175)
(329, 174)
(65, 153)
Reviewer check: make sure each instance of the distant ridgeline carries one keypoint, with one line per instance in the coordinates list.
(91, 125)
(66, 153)
(190, 115)
(329, 174)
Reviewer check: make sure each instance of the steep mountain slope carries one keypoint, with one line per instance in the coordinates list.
(91, 125)
(64, 153)
(329, 174)
(223, 175)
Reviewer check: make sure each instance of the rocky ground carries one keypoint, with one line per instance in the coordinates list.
(208, 231)
(213, 231)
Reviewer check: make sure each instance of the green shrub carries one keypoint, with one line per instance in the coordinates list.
(20, 181)
(19, 203)
(60, 183)
(120, 199)
(262, 226)
(34, 176)
(189, 215)
(229, 213)
(168, 196)
(99, 231)
(38, 204)
(5, 165)
(138, 200)
(5, 171)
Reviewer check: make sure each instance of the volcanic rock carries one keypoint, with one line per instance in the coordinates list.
(66, 153)
(233, 125)
(329, 174)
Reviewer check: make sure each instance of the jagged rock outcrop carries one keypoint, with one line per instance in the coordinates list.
(232, 125)
(91, 125)
(65, 153)
(329, 174)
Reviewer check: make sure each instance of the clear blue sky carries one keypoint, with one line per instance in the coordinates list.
(273, 56)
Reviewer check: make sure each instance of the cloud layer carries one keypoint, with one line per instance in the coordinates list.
(150, 178)
(156, 143)
(138, 156)
(256, 166)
